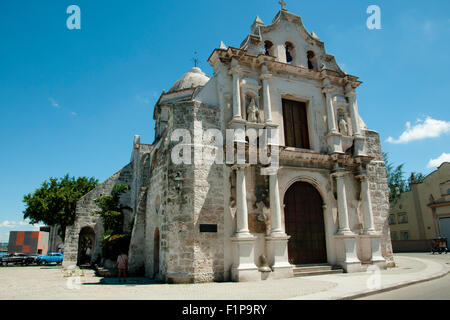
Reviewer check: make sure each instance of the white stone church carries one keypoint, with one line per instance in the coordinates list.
(326, 204)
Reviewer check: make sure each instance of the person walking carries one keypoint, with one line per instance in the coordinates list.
(122, 265)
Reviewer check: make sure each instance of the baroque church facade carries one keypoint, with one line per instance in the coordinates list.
(325, 203)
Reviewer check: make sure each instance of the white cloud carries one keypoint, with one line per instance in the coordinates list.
(445, 157)
(73, 114)
(142, 99)
(430, 128)
(53, 102)
(17, 224)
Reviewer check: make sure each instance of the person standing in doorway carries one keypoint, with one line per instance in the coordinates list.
(122, 265)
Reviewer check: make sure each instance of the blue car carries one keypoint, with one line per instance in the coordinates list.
(52, 257)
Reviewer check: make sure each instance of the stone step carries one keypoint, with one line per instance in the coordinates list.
(313, 270)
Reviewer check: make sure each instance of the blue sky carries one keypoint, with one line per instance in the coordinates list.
(72, 100)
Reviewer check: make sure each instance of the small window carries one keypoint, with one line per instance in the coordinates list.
(268, 48)
(402, 218)
(404, 235)
(289, 52)
(295, 123)
(312, 61)
(391, 219)
(394, 235)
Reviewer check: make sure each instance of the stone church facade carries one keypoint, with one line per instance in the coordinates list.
(326, 201)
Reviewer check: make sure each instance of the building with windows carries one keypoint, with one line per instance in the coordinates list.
(323, 200)
(31, 242)
(423, 213)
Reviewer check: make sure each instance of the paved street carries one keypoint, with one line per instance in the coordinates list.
(55, 283)
(438, 289)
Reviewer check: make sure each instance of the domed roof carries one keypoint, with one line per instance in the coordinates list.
(194, 78)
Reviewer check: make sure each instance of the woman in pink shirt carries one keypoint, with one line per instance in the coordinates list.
(122, 265)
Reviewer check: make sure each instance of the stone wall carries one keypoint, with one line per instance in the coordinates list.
(84, 218)
(379, 192)
(191, 195)
(139, 189)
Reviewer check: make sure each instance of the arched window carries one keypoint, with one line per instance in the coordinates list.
(312, 60)
(268, 48)
(289, 52)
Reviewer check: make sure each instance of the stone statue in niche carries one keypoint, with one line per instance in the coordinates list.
(252, 111)
(343, 127)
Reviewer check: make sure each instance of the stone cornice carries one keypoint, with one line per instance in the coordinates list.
(244, 59)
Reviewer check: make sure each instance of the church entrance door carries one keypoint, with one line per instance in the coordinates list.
(305, 224)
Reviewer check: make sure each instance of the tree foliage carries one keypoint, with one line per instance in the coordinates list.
(111, 211)
(54, 203)
(396, 179)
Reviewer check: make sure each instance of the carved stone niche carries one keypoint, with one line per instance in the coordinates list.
(251, 100)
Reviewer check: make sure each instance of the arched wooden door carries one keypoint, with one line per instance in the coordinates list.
(305, 224)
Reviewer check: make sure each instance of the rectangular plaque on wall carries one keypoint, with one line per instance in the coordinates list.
(211, 228)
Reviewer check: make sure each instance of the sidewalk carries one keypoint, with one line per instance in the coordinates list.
(410, 269)
(38, 283)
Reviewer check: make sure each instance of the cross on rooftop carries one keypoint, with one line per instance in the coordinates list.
(283, 4)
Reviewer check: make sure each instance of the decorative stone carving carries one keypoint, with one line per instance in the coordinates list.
(252, 111)
(343, 127)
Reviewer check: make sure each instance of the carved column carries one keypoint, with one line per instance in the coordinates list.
(277, 241)
(266, 94)
(369, 227)
(275, 208)
(351, 96)
(359, 145)
(236, 90)
(342, 204)
(244, 267)
(334, 138)
(328, 90)
(241, 203)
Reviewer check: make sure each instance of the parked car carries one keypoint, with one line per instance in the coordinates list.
(17, 258)
(52, 257)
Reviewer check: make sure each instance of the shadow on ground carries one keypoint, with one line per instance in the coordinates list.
(130, 281)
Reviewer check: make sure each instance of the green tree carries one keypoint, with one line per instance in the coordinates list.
(111, 211)
(54, 203)
(396, 179)
(418, 177)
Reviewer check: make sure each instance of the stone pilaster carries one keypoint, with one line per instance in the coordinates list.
(344, 228)
(277, 241)
(243, 268)
(236, 90)
(266, 94)
(333, 136)
(241, 202)
(359, 139)
(369, 227)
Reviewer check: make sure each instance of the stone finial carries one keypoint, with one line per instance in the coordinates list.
(258, 21)
(315, 36)
(222, 46)
(282, 4)
(136, 141)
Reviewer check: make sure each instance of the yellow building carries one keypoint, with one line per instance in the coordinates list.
(423, 213)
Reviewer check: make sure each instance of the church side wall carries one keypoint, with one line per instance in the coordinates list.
(379, 192)
(139, 189)
(208, 263)
(84, 218)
